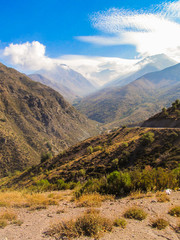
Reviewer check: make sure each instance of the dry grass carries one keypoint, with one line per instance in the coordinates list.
(92, 200)
(8, 215)
(135, 213)
(23, 199)
(160, 223)
(3, 223)
(90, 225)
(175, 211)
(139, 195)
(162, 197)
(120, 222)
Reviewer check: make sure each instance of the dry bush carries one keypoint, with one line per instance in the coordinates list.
(139, 195)
(92, 211)
(120, 222)
(90, 225)
(3, 223)
(175, 211)
(160, 223)
(162, 197)
(135, 213)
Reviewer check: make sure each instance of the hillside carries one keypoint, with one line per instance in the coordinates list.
(66, 81)
(166, 118)
(33, 119)
(63, 90)
(134, 102)
(126, 148)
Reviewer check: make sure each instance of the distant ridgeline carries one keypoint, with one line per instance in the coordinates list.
(167, 118)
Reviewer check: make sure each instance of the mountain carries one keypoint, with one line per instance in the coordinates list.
(34, 119)
(147, 65)
(166, 118)
(64, 79)
(134, 102)
(64, 91)
(124, 149)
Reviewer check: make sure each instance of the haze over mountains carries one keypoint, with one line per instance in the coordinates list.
(34, 119)
(135, 101)
(147, 65)
(68, 82)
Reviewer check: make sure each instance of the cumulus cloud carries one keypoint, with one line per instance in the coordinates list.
(151, 32)
(27, 56)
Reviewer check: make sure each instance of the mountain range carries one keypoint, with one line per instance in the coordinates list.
(35, 119)
(66, 81)
(149, 64)
(134, 102)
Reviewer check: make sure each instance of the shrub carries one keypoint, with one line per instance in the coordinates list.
(3, 223)
(118, 183)
(175, 211)
(46, 156)
(120, 222)
(162, 197)
(125, 145)
(160, 224)
(61, 185)
(147, 138)
(90, 225)
(135, 213)
(43, 185)
(97, 148)
(89, 149)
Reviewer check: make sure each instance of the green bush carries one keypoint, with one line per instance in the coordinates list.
(43, 185)
(97, 148)
(46, 156)
(89, 149)
(147, 138)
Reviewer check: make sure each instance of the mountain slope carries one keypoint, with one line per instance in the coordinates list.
(147, 65)
(166, 118)
(62, 76)
(34, 118)
(64, 91)
(124, 149)
(134, 102)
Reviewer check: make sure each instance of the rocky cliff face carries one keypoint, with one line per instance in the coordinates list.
(34, 119)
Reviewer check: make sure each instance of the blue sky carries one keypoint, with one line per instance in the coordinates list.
(56, 23)
(101, 39)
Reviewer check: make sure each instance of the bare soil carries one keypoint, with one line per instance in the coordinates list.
(35, 223)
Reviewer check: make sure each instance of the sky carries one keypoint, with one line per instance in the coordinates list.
(92, 37)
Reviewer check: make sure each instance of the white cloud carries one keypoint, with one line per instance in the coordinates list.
(30, 57)
(27, 56)
(100, 69)
(153, 32)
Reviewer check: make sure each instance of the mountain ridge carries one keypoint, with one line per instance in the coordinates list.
(34, 119)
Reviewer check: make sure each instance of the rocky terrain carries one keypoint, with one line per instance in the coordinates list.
(35, 119)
